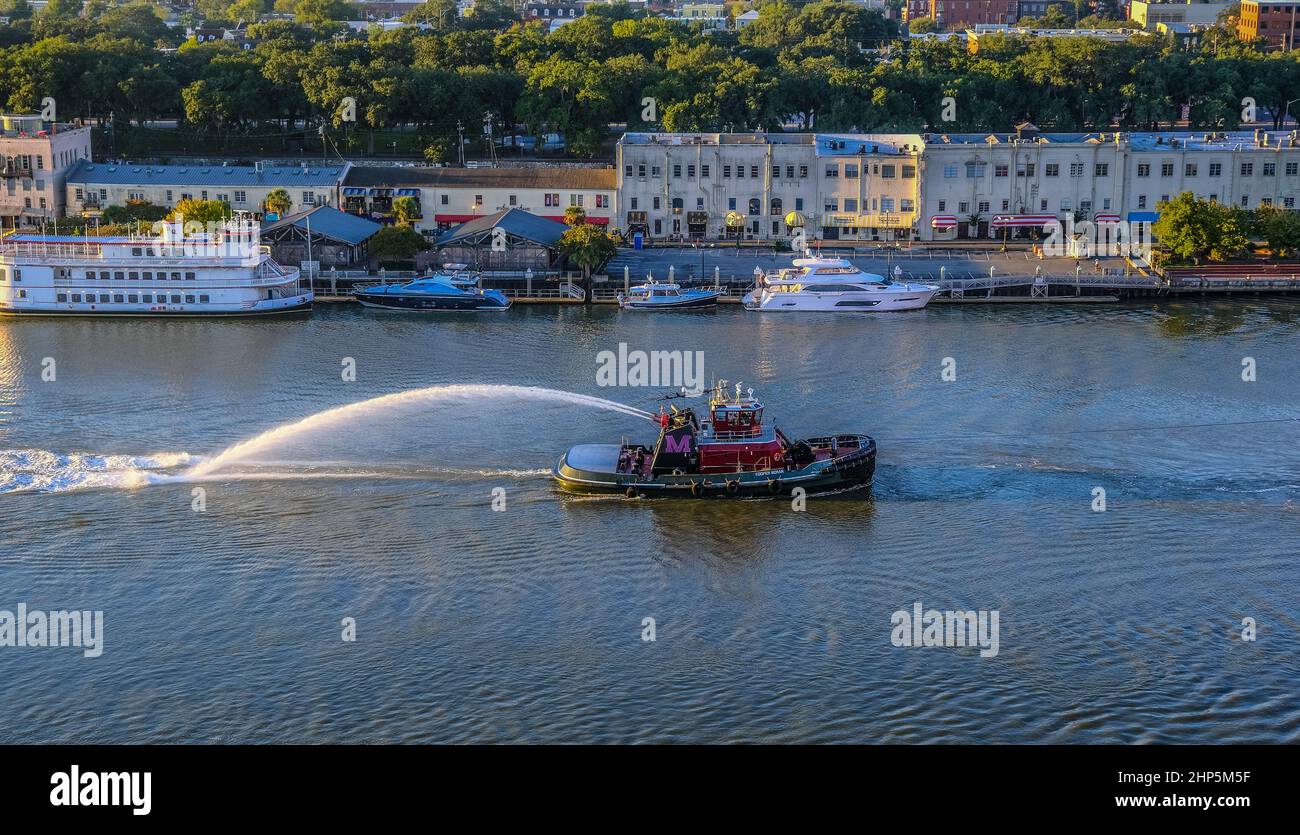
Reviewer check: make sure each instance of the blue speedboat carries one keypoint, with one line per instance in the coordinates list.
(656, 296)
(447, 289)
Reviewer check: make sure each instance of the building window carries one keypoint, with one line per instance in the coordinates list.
(1245, 201)
(832, 170)
(1291, 169)
(1189, 170)
(1270, 169)
(1142, 201)
(803, 172)
(704, 170)
(975, 170)
(1076, 169)
(887, 172)
(1216, 169)
(1001, 170)
(1101, 169)
(1248, 169)
(241, 197)
(677, 171)
(1052, 169)
(949, 172)
(1144, 169)
(690, 171)
(851, 170)
(909, 172)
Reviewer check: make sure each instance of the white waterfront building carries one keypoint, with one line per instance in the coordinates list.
(936, 186)
(224, 271)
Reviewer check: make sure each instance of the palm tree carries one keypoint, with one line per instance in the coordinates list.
(278, 201)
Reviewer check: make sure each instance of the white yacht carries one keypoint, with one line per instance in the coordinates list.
(834, 284)
(221, 272)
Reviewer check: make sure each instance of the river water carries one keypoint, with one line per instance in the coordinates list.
(227, 582)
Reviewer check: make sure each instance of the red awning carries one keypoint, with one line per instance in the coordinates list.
(455, 218)
(1004, 221)
(1107, 218)
(943, 221)
(592, 219)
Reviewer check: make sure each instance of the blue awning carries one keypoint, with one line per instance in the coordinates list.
(1143, 217)
(350, 191)
(408, 192)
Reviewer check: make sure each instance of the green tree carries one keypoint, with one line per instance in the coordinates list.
(575, 215)
(201, 211)
(1192, 229)
(589, 246)
(406, 210)
(921, 25)
(278, 201)
(1280, 229)
(397, 245)
(133, 211)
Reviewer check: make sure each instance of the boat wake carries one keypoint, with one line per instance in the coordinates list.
(42, 471)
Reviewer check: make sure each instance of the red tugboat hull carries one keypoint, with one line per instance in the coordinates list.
(841, 462)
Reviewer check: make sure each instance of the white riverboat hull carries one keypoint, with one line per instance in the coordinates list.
(914, 297)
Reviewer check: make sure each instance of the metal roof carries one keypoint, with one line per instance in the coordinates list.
(515, 222)
(127, 174)
(330, 222)
(557, 177)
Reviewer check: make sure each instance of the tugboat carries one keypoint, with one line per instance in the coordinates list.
(447, 289)
(732, 453)
(656, 296)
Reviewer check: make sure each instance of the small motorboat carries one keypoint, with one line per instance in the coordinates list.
(834, 284)
(450, 288)
(730, 453)
(656, 296)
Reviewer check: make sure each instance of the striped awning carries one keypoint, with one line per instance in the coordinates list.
(408, 192)
(943, 222)
(1008, 221)
(1106, 218)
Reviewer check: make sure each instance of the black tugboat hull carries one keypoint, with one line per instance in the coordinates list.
(590, 468)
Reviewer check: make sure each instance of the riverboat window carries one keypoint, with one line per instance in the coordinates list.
(203, 299)
(119, 298)
(189, 300)
(63, 297)
(133, 276)
(176, 299)
(103, 274)
(148, 276)
(118, 275)
(133, 298)
(189, 276)
(22, 294)
(76, 298)
(90, 274)
(147, 298)
(176, 276)
(136, 251)
(103, 298)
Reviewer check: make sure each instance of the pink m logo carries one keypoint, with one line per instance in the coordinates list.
(679, 444)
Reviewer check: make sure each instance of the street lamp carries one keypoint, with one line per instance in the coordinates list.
(1287, 112)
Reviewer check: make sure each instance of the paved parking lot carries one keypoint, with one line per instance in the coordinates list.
(917, 264)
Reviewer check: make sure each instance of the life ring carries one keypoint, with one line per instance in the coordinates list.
(774, 486)
(697, 489)
(733, 487)
(630, 493)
